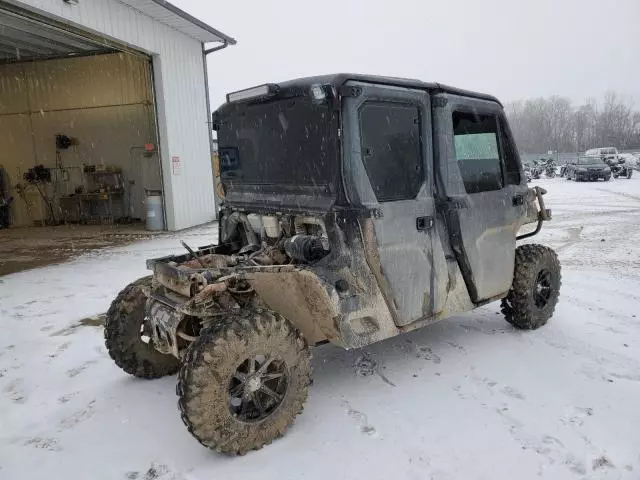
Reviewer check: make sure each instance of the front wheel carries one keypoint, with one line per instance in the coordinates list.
(244, 381)
(629, 172)
(535, 289)
(127, 337)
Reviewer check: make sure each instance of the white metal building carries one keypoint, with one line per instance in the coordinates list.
(125, 82)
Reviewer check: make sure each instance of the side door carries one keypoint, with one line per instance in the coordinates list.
(482, 189)
(387, 150)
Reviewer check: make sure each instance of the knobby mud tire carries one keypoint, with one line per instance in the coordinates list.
(122, 335)
(210, 363)
(519, 306)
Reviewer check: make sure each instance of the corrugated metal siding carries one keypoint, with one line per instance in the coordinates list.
(180, 92)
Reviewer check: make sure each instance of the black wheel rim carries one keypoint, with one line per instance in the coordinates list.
(257, 388)
(542, 289)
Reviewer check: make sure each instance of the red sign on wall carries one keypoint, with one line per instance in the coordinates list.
(176, 165)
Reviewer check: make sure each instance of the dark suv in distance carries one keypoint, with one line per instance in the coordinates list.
(589, 168)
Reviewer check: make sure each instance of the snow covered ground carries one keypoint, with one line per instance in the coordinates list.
(467, 398)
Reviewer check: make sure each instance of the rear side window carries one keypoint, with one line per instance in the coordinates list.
(510, 153)
(391, 149)
(475, 138)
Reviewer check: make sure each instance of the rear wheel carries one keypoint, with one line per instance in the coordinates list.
(127, 338)
(535, 289)
(243, 382)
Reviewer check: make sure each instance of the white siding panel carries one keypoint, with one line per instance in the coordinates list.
(180, 93)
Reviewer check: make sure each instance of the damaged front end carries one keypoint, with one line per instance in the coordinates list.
(262, 261)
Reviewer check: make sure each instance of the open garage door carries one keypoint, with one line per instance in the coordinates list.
(78, 123)
(26, 37)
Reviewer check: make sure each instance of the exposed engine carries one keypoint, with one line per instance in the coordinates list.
(191, 290)
(276, 240)
(250, 240)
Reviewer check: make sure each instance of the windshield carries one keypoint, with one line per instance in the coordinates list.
(284, 142)
(590, 161)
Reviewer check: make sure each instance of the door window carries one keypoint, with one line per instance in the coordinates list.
(477, 152)
(391, 149)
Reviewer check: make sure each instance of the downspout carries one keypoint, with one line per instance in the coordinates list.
(225, 44)
(206, 52)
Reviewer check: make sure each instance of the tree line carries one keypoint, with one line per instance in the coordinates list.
(555, 123)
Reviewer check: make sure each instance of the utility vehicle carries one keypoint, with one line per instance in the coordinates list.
(356, 208)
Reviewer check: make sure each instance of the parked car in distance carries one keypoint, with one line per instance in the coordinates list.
(588, 168)
(605, 153)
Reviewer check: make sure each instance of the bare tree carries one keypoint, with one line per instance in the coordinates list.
(556, 124)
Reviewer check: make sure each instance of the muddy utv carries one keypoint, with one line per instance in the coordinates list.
(356, 208)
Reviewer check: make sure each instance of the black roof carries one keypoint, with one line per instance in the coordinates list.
(339, 79)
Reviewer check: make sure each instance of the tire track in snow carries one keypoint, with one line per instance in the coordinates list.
(619, 194)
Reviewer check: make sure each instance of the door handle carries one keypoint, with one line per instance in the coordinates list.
(424, 223)
(518, 200)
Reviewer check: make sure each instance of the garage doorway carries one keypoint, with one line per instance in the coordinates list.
(78, 123)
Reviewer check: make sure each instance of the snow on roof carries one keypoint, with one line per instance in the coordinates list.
(167, 13)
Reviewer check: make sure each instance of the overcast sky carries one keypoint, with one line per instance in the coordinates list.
(512, 49)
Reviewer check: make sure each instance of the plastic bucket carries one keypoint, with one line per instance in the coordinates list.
(155, 218)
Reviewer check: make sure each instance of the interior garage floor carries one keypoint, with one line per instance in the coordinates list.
(31, 247)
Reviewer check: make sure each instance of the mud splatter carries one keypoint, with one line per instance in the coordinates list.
(66, 397)
(601, 462)
(93, 321)
(14, 392)
(513, 393)
(427, 354)
(45, 443)
(78, 370)
(61, 348)
(457, 347)
(361, 419)
(78, 417)
(159, 471)
(366, 366)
